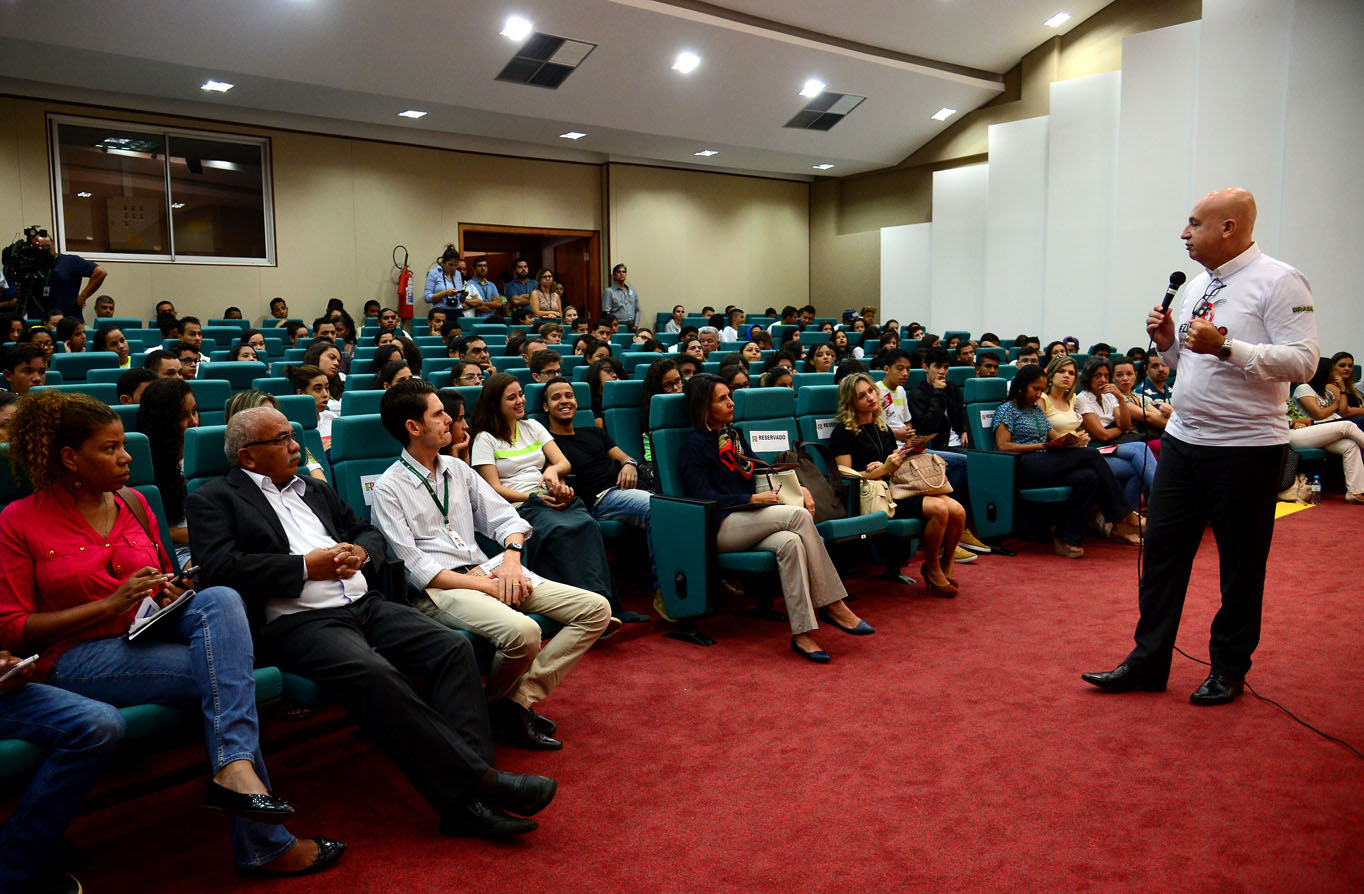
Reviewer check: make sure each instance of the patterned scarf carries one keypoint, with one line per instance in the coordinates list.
(731, 457)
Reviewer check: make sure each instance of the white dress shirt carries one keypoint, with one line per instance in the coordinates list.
(306, 533)
(404, 511)
(1265, 306)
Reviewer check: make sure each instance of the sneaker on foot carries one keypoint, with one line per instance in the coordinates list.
(964, 557)
(972, 542)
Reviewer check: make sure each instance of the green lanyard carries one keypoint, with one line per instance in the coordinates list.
(431, 491)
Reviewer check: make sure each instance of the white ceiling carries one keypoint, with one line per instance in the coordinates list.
(349, 66)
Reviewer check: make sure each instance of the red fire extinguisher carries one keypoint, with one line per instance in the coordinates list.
(405, 308)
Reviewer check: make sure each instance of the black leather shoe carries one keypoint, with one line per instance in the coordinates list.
(262, 808)
(543, 723)
(522, 793)
(1125, 678)
(1218, 689)
(474, 817)
(517, 726)
(328, 852)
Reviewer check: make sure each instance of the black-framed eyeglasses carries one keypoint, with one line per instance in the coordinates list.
(1204, 306)
(276, 441)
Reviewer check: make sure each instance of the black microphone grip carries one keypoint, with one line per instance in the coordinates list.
(1176, 280)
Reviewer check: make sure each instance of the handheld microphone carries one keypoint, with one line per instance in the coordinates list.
(1176, 280)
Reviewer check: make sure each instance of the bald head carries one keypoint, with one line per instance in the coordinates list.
(254, 424)
(1221, 226)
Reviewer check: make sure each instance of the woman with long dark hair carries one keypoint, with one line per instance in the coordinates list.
(444, 283)
(167, 410)
(716, 464)
(517, 456)
(327, 357)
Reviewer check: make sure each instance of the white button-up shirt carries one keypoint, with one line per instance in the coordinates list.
(1265, 307)
(404, 511)
(306, 533)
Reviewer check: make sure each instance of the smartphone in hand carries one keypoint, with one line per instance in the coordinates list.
(13, 671)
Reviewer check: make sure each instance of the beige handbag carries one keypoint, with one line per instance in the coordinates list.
(920, 475)
(785, 482)
(873, 495)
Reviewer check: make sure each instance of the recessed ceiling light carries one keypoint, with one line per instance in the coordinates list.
(176, 206)
(517, 28)
(686, 62)
(412, 113)
(813, 87)
(943, 114)
(572, 135)
(84, 195)
(1057, 20)
(216, 86)
(823, 167)
(707, 153)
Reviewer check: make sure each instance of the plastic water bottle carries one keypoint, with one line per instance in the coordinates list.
(1316, 489)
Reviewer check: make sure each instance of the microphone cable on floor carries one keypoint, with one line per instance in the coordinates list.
(1141, 547)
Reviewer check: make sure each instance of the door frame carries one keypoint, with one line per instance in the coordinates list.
(592, 300)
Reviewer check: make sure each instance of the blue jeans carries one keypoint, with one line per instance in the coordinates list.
(215, 671)
(631, 507)
(81, 737)
(1134, 465)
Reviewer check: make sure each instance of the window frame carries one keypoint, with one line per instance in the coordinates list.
(167, 133)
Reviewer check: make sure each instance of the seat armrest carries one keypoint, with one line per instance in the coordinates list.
(685, 554)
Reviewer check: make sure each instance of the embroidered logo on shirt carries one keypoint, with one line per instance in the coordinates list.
(1304, 308)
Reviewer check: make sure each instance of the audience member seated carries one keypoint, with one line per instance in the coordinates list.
(430, 507)
(607, 369)
(41, 338)
(777, 377)
(1028, 356)
(71, 335)
(571, 318)
(132, 383)
(937, 411)
(169, 325)
(393, 371)
(472, 348)
(1326, 398)
(24, 367)
(246, 400)
(1343, 376)
(709, 337)
(1148, 417)
(312, 381)
(518, 457)
(189, 358)
(1108, 419)
(1339, 436)
(823, 358)
(735, 377)
(346, 333)
(674, 324)
(842, 351)
(966, 355)
(1072, 344)
(891, 388)
(9, 403)
(81, 738)
(886, 342)
(243, 353)
(383, 354)
(987, 366)
(1101, 349)
(458, 448)
(163, 363)
(298, 555)
(67, 596)
(229, 313)
(255, 339)
(790, 344)
(327, 357)
(552, 333)
(467, 373)
(735, 321)
(1051, 458)
(864, 443)
(688, 366)
(166, 411)
(715, 463)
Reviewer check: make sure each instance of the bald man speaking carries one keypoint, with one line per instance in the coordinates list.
(1245, 329)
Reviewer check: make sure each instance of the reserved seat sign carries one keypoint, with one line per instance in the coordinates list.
(769, 441)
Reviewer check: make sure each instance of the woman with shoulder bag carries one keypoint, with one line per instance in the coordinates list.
(864, 443)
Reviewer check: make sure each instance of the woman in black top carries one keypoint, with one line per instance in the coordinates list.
(862, 441)
(716, 464)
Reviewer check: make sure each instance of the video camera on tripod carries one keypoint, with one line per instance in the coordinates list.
(27, 265)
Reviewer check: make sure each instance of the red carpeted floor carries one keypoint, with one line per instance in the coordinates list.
(955, 750)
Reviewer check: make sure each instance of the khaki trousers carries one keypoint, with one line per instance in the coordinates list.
(808, 577)
(522, 670)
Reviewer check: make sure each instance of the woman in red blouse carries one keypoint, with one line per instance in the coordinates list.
(76, 562)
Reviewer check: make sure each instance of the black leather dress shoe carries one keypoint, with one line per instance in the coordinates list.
(522, 793)
(1125, 678)
(328, 852)
(262, 808)
(517, 725)
(1218, 689)
(474, 817)
(543, 723)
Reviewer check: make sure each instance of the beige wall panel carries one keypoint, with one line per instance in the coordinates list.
(403, 191)
(747, 238)
(844, 267)
(11, 193)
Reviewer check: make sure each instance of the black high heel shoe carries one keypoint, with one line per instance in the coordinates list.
(819, 656)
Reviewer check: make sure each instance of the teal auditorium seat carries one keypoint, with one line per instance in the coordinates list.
(359, 403)
(276, 385)
(301, 410)
(803, 379)
(237, 373)
(223, 322)
(226, 336)
(958, 375)
(501, 364)
(204, 456)
(992, 475)
(766, 416)
(75, 367)
(962, 334)
(211, 395)
(106, 392)
(361, 382)
(127, 413)
(620, 413)
(103, 376)
(113, 323)
(361, 449)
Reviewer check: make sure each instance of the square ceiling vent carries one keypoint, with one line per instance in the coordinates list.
(825, 110)
(546, 61)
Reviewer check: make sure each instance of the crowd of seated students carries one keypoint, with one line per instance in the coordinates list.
(507, 477)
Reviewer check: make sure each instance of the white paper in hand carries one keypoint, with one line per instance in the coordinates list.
(496, 562)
